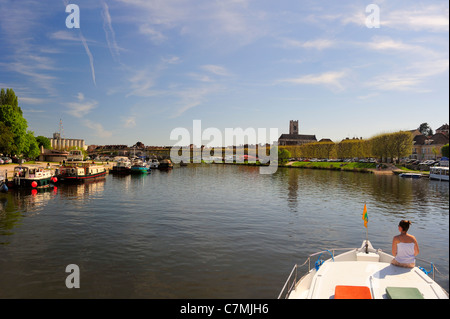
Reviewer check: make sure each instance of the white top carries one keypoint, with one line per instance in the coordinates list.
(405, 253)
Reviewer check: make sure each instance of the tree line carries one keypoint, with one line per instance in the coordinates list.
(383, 146)
(15, 138)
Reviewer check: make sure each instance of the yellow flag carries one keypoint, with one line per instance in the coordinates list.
(365, 217)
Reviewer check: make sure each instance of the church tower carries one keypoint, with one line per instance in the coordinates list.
(293, 127)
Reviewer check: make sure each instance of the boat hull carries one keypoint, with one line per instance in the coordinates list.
(120, 170)
(28, 183)
(81, 178)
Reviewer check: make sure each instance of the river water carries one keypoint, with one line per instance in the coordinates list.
(206, 231)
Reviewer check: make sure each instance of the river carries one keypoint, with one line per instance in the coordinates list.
(206, 231)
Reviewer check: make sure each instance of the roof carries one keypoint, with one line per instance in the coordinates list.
(298, 137)
(439, 138)
(443, 127)
(436, 139)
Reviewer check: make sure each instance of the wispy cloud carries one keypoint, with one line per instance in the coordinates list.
(192, 97)
(82, 107)
(216, 69)
(332, 79)
(98, 129)
(318, 44)
(129, 121)
(91, 58)
(64, 35)
(109, 31)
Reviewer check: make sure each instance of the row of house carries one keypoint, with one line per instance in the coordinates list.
(429, 147)
(424, 147)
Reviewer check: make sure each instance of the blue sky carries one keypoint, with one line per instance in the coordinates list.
(137, 69)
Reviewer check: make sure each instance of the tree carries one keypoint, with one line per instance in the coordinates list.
(43, 141)
(445, 150)
(31, 149)
(283, 155)
(6, 139)
(401, 144)
(425, 129)
(8, 97)
(11, 115)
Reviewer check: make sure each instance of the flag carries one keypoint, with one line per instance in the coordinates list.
(365, 217)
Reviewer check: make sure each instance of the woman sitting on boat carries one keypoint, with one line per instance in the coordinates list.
(404, 247)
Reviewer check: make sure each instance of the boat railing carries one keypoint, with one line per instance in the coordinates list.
(292, 279)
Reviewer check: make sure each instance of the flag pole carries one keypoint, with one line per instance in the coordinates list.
(367, 230)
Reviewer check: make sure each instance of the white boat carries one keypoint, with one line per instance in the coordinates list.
(439, 173)
(360, 273)
(154, 163)
(75, 155)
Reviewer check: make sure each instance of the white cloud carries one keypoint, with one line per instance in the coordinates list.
(434, 18)
(192, 97)
(109, 31)
(97, 128)
(129, 122)
(155, 36)
(216, 69)
(318, 44)
(82, 107)
(331, 79)
(91, 58)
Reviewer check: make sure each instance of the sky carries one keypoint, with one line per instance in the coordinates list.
(135, 70)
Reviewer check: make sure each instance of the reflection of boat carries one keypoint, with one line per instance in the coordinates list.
(140, 167)
(361, 273)
(439, 173)
(123, 166)
(80, 173)
(3, 187)
(410, 175)
(165, 164)
(31, 177)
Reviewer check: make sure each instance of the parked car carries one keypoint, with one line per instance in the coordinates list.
(1, 161)
(6, 160)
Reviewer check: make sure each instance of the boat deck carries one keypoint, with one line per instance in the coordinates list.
(377, 276)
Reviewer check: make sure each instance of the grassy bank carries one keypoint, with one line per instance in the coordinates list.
(339, 166)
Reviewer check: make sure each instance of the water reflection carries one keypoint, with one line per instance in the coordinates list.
(20, 203)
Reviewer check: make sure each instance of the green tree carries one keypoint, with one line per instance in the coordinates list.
(11, 115)
(43, 141)
(31, 149)
(445, 150)
(6, 139)
(283, 155)
(8, 97)
(425, 129)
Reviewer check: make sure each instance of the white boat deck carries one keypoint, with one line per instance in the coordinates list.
(375, 275)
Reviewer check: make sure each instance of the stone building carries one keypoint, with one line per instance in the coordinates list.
(59, 143)
(429, 147)
(293, 138)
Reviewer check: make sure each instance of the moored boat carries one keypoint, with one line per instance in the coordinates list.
(122, 166)
(80, 173)
(361, 273)
(154, 163)
(25, 176)
(165, 164)
(410, 175)
(439, 173)
(140, 167)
